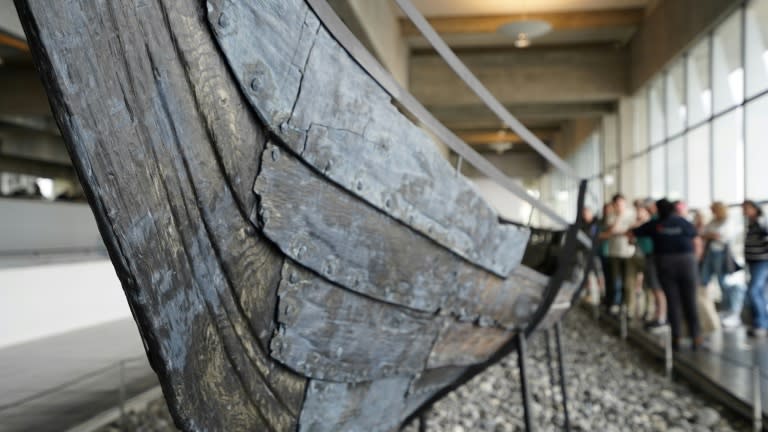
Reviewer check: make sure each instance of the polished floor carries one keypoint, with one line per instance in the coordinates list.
(58, 382)
(731, 368)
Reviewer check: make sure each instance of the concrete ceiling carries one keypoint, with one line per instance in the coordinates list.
(435, 8)
(571, 76)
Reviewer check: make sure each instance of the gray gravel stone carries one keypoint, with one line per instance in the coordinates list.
(612, 387)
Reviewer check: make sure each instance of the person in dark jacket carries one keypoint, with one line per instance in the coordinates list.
(673, 248)
(756, 255)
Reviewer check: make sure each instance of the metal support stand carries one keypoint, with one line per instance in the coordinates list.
(668, 356)
(757, 399)
(563, 385)
(122, 395)
(623, 325)
(423, 422)
(550, 368)
(525, 391)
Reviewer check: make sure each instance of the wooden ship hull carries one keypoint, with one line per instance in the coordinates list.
(295, 251)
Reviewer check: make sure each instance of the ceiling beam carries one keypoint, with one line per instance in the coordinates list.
(576, 75)
(13, 42)
(480, 137)
(477, 116)
(590, 19)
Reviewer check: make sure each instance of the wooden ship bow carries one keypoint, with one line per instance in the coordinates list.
(295, 251)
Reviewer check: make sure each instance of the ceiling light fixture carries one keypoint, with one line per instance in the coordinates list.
(524, 31)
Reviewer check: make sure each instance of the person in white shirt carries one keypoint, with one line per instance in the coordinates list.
(718, 235)
(621, 251)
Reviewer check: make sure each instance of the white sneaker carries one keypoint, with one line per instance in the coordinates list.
(731, 321)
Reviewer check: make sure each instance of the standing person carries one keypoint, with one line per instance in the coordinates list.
(651, 278)
(718, 236)
(612, 295)
(620, 252)
(672, 238)
(756, 254)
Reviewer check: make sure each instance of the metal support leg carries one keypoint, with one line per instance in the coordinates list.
(623, 326)
(757, 397)
(550, 368)
(521, 353)
(668, 356)
(123, 419)
(563, 384)
(423, 422)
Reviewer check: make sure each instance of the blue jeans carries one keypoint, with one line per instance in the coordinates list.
(758, 272)
(733, 294)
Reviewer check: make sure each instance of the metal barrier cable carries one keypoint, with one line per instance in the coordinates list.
(78, 380)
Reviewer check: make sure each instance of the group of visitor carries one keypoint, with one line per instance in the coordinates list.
(664, 254)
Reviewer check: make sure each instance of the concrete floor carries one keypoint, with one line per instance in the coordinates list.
(58, 382)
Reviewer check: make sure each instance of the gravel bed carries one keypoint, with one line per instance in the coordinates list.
(612, 386)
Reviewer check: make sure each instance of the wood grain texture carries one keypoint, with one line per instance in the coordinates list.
(352, 244)
(465, 343)
(340, 121)
(330, 333)
(167, 157)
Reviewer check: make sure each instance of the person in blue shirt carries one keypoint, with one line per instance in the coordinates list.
(676, 265)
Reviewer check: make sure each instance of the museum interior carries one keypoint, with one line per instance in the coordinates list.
(610, 152)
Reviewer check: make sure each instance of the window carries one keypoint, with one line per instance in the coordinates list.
(640, 171)
(676, 169)
(757, 47)
(656, 110)
(728, 158)
(699, 162)
(675, 96)
(699, 84)
(757, 149)
(728, 73)
(658, 171)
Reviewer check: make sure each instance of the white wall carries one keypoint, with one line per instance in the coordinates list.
(38, 226)
(39, 301)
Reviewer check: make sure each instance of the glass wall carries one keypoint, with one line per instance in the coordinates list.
(700, 127)
(698, 130)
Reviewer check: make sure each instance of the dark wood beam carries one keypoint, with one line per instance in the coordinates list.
(559, 20)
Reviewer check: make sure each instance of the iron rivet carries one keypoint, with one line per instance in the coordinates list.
(293, 277)
(249, 230)
(301, 252)
(388, 203)
(255, 84)
(223, 21)
(359, 185)
(328, 165)
(275, 154)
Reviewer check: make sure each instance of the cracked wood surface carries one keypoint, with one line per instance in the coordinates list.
(355, 246)
(342, 123)
(167, 158)
(391, 248)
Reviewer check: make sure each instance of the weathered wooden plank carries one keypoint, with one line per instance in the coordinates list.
(352, 244)
(375, 406)
(330, 333)
(465, 343)
(142, 99)
(349, 130)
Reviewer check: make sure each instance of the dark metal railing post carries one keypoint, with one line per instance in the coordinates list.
(525, 391)
(550, 369)
(123, 420)
(563, 384)
(423, 422)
